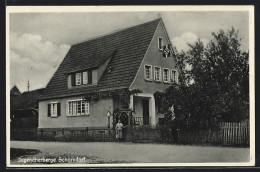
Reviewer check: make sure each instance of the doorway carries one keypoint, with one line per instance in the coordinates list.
(145, 112)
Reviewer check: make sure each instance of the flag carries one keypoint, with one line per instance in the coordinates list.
(166, 51)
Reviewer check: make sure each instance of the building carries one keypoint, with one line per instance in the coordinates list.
(15, 91)
(24, 109)
(118, 72)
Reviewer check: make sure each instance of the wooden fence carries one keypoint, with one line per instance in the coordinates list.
(228, 133)
(234, 133)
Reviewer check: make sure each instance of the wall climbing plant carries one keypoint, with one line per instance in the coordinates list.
(123, 95)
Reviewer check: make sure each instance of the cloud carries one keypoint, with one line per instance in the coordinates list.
(181, 43)
(33, 59)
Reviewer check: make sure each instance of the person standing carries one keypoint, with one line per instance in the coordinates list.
(119, 131)
(174, 129)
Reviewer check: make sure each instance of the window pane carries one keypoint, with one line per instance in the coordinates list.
(174, 76)
(78, 78)
(157, 73)
(166, 75)
(148, 72)
(70, 108)
(78, 107)
(83, 107)
(87, 108)
(74, 108)
(160, 43)
(54, 109)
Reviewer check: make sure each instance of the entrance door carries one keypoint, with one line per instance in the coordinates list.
(145, 112)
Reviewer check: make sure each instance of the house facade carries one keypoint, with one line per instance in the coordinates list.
(137, 58)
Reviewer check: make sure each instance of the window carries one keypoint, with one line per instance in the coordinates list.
(157, 73)
(160, 43)
(78, 78)
(166, 75)
(54, 109)
(74, 105)
(174, 76)
(77, 108)
(81, 78)
(148, 72)
(85, 77)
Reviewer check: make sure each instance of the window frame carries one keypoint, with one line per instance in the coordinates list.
(72, 108)
(151, 72)
(160, 74)
(174, 80)
(54, 105)
(168, 78)
(160, 43)
(80, 78)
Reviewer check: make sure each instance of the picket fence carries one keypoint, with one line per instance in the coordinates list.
(228, 133)
(234, 133)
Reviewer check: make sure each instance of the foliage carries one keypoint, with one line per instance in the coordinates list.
(123, 95)
(214, 82)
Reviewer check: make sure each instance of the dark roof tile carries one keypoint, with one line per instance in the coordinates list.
(27, 100)
(130, 44)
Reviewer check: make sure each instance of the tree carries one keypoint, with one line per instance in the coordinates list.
(215, 85)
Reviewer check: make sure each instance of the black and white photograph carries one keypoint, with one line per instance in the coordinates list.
(103, 86)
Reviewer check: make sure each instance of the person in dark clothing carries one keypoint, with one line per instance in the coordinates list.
(174, 126)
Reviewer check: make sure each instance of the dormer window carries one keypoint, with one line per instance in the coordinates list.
(160, 43)
(81, 78)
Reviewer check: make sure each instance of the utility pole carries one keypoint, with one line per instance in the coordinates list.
(28, 85)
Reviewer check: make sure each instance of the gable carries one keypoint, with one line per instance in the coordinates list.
(130, 45)
(154, 58)
(15, 91)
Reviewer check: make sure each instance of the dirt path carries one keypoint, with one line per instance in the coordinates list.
(145, 153)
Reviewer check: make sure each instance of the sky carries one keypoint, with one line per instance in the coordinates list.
(40, 41)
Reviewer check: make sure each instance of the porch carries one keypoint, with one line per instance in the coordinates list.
(143, 109)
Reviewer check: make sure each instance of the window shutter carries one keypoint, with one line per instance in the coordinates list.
(90, 77)
(81, 78)
(49, 110)
(58, 109)
(73, 79)
(85, 77)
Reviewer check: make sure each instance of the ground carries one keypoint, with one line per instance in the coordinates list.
(108, 152)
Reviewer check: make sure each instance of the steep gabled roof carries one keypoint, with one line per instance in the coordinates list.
(15, 91)
(27, 100)
(93, 61)
(128, 47)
